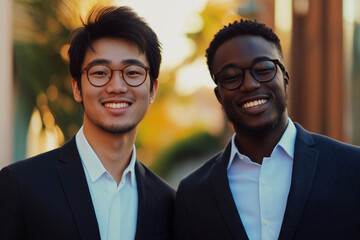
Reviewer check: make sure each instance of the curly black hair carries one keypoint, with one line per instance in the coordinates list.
(244, 27)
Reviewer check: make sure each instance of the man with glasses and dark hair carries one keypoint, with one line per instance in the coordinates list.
(274, 180)
(94, 187)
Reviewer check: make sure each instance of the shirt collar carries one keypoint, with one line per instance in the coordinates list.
(287, 143)
(92, 163)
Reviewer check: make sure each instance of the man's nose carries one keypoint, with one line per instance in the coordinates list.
(117, 82)
(249, 83)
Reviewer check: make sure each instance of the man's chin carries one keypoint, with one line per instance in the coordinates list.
(118, 129)
(258, 128)
(265, 126)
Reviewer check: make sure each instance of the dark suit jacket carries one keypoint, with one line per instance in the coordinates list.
(323, 202)
(47, 197)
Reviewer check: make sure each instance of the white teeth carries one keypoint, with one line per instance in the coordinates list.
(255, 103)
(116, 105)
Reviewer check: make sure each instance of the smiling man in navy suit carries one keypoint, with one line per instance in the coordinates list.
(94, 187)
(274, 180)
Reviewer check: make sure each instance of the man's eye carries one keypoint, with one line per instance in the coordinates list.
(229, 77)
(229, 73)
(263, 71)
(99, 73)
(132, 73)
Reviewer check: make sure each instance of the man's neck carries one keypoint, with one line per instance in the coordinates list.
(113, 150)
(257, 145)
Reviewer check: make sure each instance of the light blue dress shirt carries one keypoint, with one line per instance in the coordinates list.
(115, 205)
(260, 191)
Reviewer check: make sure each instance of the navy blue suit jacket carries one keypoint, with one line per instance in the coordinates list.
(323, 201)
(47, 197)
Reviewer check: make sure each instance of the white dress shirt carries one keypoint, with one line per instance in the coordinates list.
(115, 205)
(260, 191)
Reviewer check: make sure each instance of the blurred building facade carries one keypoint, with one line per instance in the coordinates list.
(317, 75)
(6, 88)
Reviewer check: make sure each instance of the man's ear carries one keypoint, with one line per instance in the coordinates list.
(286, 79)
(153, 91)
(76, 91)
(217, 94)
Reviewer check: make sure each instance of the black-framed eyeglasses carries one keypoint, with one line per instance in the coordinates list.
(100, 75)
(262, 70)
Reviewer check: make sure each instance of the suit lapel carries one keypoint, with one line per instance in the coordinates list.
(223, 195)
(146, 204)
(304, 169)
(73, 180)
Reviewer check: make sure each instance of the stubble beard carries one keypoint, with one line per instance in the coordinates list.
(116, 129)
(111, 128)
(261, 131)
(281, 106)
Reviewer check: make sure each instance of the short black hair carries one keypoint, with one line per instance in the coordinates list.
(244, 27)
(114, 22)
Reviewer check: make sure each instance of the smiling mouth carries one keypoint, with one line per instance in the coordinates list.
(255, 103)
(116, 105)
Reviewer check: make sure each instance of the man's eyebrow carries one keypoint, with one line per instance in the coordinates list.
(253, 61)
(127, 62)
(261, 58)
(98, 62)
(132, 61)
(228, 65)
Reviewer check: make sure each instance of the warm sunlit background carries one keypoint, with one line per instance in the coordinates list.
(185, 125)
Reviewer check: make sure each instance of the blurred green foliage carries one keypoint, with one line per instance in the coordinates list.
(195, 146)
(38, 64)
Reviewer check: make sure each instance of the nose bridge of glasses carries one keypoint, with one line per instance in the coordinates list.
(120, 76)
(121, 72)
(248, 72)
(248, 78)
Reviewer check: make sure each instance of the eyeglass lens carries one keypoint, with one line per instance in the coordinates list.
(133, 75)
(232, 77)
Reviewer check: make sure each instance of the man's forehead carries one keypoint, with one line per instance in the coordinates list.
(114, 50)
(244, 48)
(248, 43)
